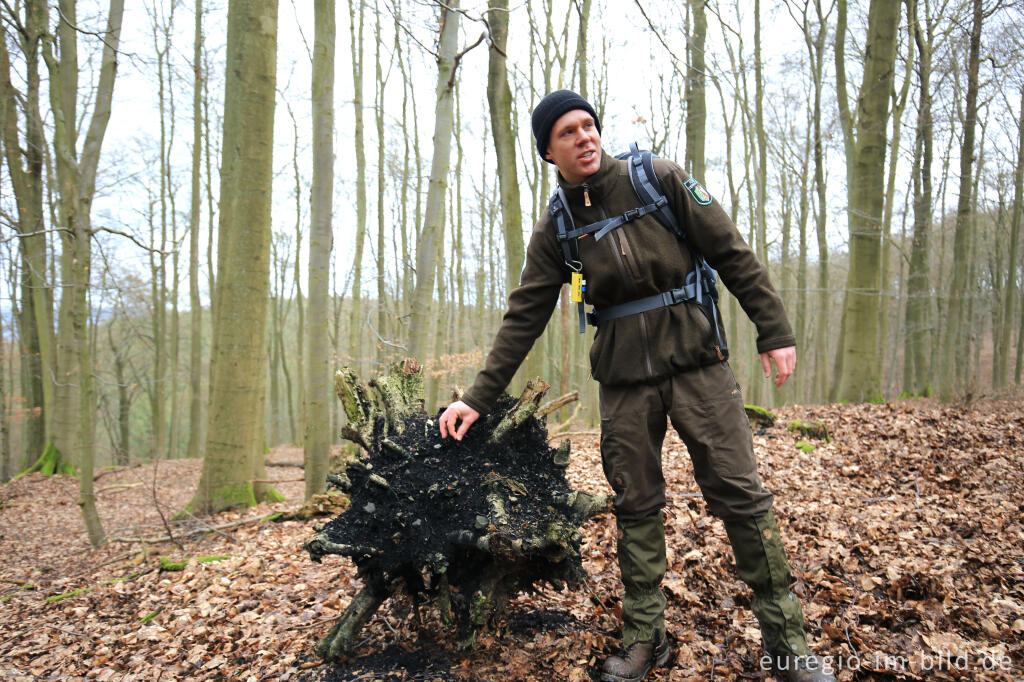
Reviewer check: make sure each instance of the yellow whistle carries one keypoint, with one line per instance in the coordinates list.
(577, 286)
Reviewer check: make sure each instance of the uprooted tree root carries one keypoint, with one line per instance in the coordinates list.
(463, 525)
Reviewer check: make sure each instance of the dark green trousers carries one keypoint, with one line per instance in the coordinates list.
(706, 409)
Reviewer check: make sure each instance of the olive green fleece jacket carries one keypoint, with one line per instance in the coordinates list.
(636, 260)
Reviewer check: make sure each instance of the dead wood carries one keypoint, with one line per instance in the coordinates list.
(189, 533)
(557, 403)
(118, 486)
(465, 524)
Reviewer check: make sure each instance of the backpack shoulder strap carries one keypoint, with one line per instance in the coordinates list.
(565, 232)
(558, 207)
(648, 187)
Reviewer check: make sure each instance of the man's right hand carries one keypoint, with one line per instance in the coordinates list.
(456, 411)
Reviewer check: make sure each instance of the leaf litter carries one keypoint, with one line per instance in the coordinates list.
(906, 536)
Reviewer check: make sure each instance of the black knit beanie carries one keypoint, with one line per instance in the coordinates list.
(550, 109)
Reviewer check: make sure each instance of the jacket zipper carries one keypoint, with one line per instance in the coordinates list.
(619, 251)
(646, 344)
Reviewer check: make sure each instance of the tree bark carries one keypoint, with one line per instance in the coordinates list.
(433, 219)
(1001, 373)
(355, 319)
(499, 99)
(381, 81)
(953, 370)
(300, 328)
(696, 107)
(917, 326)
(885, 300)
(859, 379)
(234, 455)
(36, 319)
(77, 184)
(196, 324)
(321, 243)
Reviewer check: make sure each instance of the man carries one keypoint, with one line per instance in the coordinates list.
(666, 361)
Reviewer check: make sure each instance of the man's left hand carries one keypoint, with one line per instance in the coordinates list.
(785, 363)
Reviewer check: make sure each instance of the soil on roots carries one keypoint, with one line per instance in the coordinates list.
(438, 487)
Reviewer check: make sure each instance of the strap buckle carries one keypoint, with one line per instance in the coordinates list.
(632, 214)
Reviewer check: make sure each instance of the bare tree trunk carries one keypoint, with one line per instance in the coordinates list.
(761, 170)
(859, 379)
(696, 107)
(953, 370)
(886, 350)
(211, 265)
(403, 273)
(77, 175)
(381, 81)
(321, 241)
(196, 326)
(158, 257)
(26, 175)
(234, 453)
(918, 337)
(805, 378)
(816, 48)
(174, 350)
(1020, 345)
(300, 329)
(581, 44)
(355, 321)
(122, 449)
(6, 454)
(433, 220)
(499, 98)
(1001, 371)
(275, 359)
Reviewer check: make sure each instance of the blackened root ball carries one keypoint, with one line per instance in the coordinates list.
(460, 525)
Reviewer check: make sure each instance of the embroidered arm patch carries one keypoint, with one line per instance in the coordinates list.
(697, 190)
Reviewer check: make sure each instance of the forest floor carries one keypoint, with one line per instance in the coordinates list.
(906, 535)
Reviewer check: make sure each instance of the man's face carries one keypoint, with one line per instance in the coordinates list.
(575, 146)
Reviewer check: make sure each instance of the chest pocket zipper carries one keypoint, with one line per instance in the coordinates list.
(625, 251)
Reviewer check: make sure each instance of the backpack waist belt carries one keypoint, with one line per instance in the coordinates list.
(642, 305)
(699, 289)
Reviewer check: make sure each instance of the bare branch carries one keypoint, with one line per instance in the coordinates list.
(377, 334)
(459, 56)
(102, 35)
(132, 238)
(557, 403)
(406, 30)
(25, 235)
(195, 531)
(657, 34)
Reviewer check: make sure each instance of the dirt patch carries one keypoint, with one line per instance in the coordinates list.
(420, 660)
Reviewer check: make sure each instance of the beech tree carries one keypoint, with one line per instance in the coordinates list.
(235, 433)
(859, 378)
(317, 439)
(76, 177)
(433, 218)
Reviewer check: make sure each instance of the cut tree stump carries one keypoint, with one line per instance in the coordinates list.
(463, 525)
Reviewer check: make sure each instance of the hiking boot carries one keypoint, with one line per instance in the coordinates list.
(808, 668)
(633, 663)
